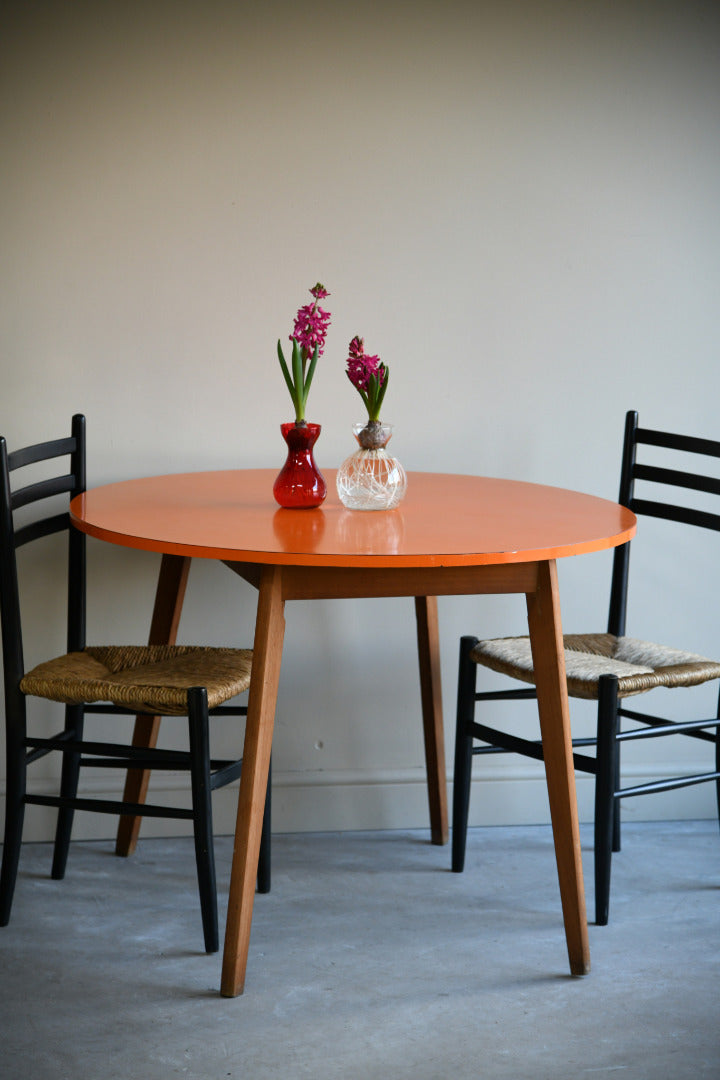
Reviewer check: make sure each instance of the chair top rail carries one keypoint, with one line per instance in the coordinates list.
(28, 455)
(43, 489)
(676, 478)
(688, 443)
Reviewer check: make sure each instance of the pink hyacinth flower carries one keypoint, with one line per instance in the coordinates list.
(361, 366)
(311, 324)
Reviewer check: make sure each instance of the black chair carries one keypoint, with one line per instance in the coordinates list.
(164, 680)
(605, 667)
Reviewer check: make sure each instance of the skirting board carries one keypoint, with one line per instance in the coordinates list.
(347, 801)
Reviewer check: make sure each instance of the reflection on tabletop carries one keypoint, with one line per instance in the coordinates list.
(359, 531)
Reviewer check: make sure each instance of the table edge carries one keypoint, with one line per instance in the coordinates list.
(285, 558)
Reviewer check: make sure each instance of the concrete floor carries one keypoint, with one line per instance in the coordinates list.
(368, 959)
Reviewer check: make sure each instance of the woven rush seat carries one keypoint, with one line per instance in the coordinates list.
(638, 665)
(151, 679)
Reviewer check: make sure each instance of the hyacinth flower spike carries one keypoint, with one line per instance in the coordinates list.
(308, 342)
(370, 377)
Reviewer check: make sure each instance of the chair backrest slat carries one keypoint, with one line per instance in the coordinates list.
(28, 455)
(44, 527)
(683, 514)
(676, 478)
(44, 489)
(688, 443)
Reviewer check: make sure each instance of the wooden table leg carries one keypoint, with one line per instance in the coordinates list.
(549, 663)
(426, 614)
(169, 598)
(267, 654)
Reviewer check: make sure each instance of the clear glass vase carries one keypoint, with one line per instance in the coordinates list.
(371, 479)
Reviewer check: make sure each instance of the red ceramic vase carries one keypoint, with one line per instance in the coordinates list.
(300, 485)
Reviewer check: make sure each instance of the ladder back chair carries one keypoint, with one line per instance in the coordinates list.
(607, 667)
(152, 680)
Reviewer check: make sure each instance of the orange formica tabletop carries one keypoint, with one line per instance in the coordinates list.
(444, 520)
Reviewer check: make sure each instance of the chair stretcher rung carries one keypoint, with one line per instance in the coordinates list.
(668, 785)
(108, 806)
(657, 730)
(131, 754)
(225, 773)
(529, 748)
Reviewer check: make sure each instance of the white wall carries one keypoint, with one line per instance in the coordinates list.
(515, 203)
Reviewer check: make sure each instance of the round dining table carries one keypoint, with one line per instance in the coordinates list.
(452, 535)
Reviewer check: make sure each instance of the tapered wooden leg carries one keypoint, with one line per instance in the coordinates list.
(169, 597)
(267, 655)
(426, 613)
(549, 663)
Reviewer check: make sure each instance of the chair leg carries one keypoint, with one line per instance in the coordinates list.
(74, 718)
(717, 758)
(616, 840)
(15, 787)
(605, 801)
(467, 673)
(202, 813)
(263, 875)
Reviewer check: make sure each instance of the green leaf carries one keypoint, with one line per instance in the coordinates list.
(297, 375)
(381, 394)
(286, 373)
(309, 376)
(374, 397)
(297, 367)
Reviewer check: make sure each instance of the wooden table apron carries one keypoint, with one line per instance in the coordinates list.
(452, 536)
